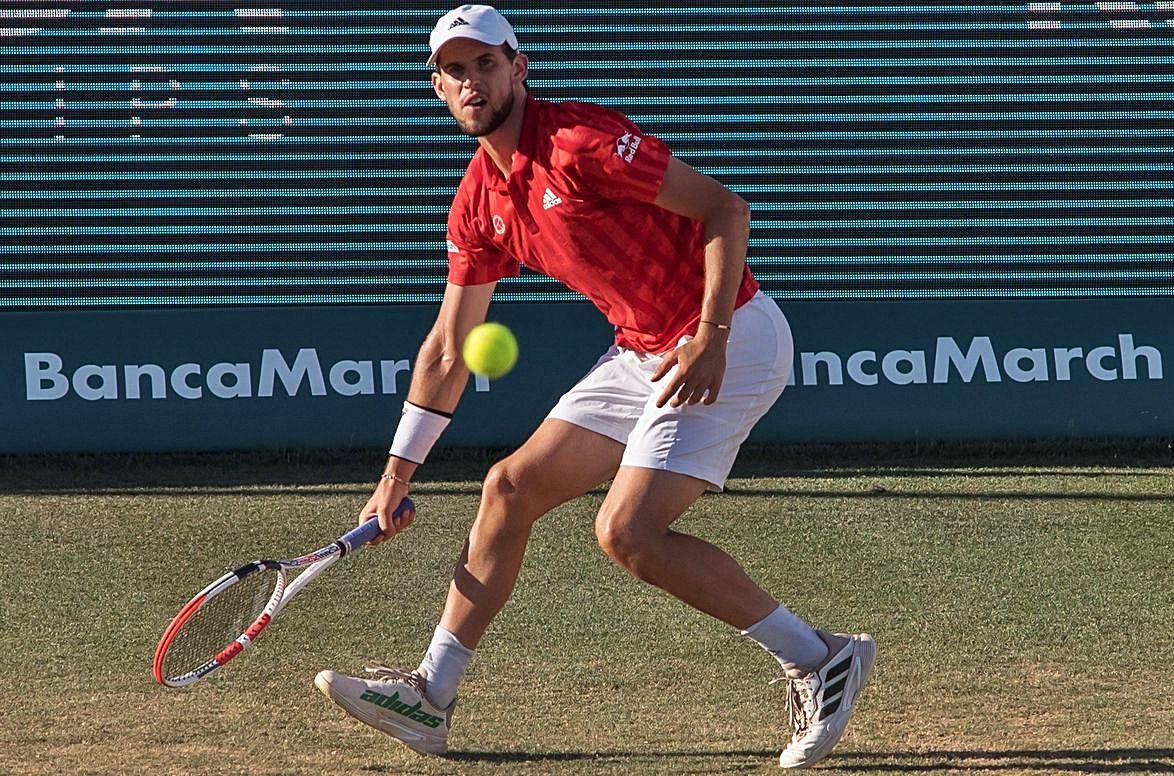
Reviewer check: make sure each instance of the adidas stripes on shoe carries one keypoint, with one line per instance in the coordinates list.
(820, 702)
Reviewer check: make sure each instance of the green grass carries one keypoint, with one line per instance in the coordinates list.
(1022, 602)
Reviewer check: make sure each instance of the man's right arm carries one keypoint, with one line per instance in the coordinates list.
(439, 378)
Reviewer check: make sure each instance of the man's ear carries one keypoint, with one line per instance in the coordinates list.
(437, 84)
(521, 67)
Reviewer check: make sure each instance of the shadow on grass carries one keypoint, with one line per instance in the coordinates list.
(981, 760)
(977, 760)
(975, 470)
(602, 757)
(275, 490)
(424, 488)
(949, 495)
(65, 473)
(572, 756)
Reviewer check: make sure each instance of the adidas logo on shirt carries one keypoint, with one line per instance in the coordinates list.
(626, 146)
(550, 199)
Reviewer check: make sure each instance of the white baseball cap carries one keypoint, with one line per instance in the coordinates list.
(479, 22)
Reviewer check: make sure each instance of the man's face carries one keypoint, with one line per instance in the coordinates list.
(479, 84)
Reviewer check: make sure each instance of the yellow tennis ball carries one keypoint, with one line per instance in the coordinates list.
(490, 350)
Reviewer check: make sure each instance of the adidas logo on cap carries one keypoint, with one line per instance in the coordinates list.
(475, 22)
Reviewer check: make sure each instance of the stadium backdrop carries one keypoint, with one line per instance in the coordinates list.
(222, 224)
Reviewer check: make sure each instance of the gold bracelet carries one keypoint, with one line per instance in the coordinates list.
(394, 478)
(721, 326)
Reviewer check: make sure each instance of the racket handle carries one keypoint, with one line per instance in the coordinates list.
(365, 532)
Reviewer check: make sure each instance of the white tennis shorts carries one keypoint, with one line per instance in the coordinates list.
(617, 398)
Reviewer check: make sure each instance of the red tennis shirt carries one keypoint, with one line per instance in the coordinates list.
(578, 206)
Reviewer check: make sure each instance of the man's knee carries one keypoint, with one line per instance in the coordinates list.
(500, 483)
(508, 498)
(625, 541)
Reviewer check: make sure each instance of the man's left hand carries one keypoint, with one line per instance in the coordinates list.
(701, 365)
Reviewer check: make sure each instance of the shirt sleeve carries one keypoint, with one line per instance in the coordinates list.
(611, 156)
(473, 259)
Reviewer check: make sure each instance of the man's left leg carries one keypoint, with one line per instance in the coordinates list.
(633, 529)
(826, 671)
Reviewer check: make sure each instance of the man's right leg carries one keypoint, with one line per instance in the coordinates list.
(559, 462)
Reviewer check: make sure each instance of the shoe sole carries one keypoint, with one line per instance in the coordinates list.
(410, 738)
(865, 651)
(867, 661)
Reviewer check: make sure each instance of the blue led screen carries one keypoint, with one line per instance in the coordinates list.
(212, 153)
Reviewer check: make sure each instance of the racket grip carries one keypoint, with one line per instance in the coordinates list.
(365, 532)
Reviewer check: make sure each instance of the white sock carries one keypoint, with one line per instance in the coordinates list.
(794, 643)
(443, 666)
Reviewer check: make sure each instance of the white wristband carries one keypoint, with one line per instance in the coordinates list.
(417, 432)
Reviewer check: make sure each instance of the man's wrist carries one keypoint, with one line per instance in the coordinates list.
(708, 332)
(417, 432)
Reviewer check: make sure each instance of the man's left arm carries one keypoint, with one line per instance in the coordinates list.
(701, 363)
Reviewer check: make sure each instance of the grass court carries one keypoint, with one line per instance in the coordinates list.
(1021, 598)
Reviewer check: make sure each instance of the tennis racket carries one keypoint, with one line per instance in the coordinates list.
(227, 616)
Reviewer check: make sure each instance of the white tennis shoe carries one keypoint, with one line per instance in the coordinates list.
(819, 704)
(393, 702)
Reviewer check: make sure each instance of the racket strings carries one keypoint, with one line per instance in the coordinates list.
(218, 622)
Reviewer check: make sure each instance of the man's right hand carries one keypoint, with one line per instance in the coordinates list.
(383, 502)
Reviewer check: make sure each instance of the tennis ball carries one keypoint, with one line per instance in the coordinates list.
(490, 350)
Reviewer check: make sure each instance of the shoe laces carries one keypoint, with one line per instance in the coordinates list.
(389, 674)
(801, 705)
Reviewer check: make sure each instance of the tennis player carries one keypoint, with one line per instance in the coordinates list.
(581, 194)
